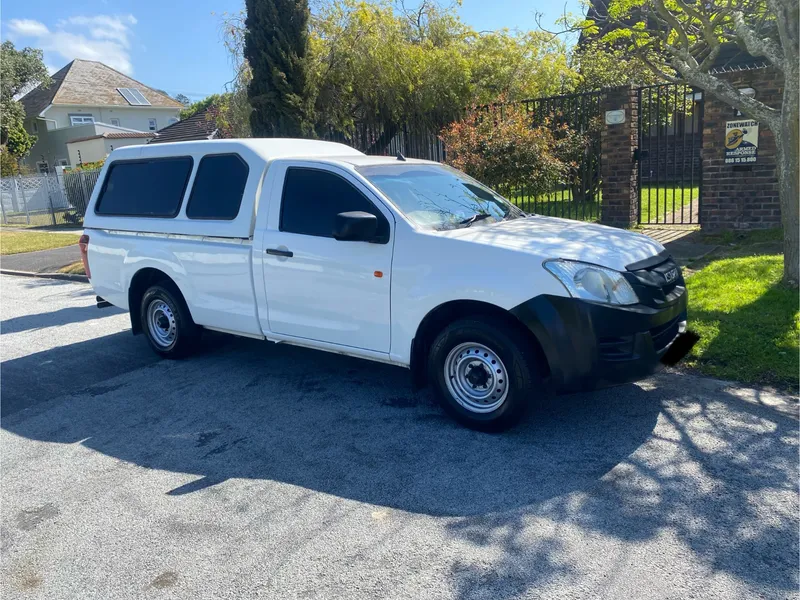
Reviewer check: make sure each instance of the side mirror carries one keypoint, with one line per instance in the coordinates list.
(355, 226)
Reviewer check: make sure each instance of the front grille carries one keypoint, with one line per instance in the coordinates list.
(651, 285)
(664, 334)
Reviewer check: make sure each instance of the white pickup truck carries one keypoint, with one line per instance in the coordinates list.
(401, 261)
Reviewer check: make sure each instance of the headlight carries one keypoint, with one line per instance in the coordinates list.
(591, 282)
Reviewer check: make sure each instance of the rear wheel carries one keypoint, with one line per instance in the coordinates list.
(166, 322)
(485, 376)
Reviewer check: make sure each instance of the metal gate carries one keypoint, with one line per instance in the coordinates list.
(670, 144)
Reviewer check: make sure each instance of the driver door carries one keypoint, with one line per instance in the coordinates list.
(318, 288)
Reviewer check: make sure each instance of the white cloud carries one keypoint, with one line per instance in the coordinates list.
(105, 38)
(105, 27)
(28, 27)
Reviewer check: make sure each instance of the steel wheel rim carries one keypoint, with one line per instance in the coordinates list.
(161, 323)
(476, 377)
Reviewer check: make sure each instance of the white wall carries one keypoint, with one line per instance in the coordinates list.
(90, 151)
(130, 117)
(94, 150)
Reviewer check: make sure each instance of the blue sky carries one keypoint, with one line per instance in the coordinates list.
(175, 45)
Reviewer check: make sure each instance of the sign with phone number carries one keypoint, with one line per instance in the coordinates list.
(741, 142)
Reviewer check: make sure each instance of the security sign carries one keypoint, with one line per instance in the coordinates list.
(741, 142)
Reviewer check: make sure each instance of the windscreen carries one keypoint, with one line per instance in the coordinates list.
(439, 197)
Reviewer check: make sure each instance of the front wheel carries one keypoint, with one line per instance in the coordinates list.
(166, 322)
(485, 376)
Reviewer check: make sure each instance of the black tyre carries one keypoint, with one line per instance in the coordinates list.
(485, 376)
(166, 322)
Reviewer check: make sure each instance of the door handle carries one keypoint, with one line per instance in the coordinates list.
(279, 252)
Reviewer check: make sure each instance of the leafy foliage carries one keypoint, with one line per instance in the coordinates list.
(20, 70)
(381, 63)
(499, 145)
(196, 107)
(89, 166)
(183, 99)
(275, 44)
(19, 142)
(8, 164)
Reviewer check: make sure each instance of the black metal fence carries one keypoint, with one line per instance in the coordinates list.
(670, 145)
(579, 196)
(46, 200)
(576, 197)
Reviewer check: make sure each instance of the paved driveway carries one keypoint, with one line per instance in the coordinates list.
(263, 471)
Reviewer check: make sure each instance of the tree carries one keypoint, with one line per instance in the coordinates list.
(681, 39)
(381, 63)
(20, 71)
(183, 99)
(275, 46)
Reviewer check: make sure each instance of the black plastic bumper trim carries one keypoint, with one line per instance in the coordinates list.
(590, 345)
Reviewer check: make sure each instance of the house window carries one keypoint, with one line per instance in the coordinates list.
(115, 122)
(80, 119)
(172, 120)
(62, 162)
(42, 167)
(152, 124)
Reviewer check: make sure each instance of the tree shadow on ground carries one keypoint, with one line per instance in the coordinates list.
(629, 463)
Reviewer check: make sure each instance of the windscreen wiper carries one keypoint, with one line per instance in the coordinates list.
(473, 218)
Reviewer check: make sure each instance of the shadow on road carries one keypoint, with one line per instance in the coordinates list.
(73, 314)
(355, 429)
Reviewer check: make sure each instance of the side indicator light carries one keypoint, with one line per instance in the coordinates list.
(378, 274)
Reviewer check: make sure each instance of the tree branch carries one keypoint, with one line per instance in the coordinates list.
(757, 46)
(727, 93)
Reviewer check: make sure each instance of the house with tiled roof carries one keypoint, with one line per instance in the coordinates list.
(200, 126)
(87, 99)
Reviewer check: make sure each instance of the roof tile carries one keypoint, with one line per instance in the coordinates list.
(90, 83)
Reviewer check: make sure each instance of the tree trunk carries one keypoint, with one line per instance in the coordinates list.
(787, 140)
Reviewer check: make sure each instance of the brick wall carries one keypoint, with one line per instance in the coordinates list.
(617, 164)
(740, 196)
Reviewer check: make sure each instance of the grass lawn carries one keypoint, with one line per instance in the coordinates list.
(747, 320)
(14, 242)
(654, 200)
(558, 204)
(75, 268)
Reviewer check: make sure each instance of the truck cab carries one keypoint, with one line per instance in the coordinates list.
(396, 260)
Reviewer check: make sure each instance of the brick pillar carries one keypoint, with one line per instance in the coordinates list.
(617, 164)
(740, 196)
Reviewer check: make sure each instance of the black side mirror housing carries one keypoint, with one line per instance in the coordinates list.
(355, 226)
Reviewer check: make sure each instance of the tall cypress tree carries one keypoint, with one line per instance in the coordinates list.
(275, 46)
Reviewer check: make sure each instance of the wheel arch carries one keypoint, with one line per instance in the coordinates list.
(439, 317)
(141, 281)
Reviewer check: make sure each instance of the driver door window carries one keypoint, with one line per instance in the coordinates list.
(312, 198)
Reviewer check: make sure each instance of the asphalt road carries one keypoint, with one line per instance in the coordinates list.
(263, 471)
(42, 260)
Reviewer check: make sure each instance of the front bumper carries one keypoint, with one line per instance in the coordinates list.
(590, 345)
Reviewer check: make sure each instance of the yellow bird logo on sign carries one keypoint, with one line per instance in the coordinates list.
(734, 138)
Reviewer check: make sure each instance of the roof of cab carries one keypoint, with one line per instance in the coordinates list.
(266, 148)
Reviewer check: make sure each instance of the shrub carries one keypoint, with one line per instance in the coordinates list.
(500, 146)
(89, 166)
